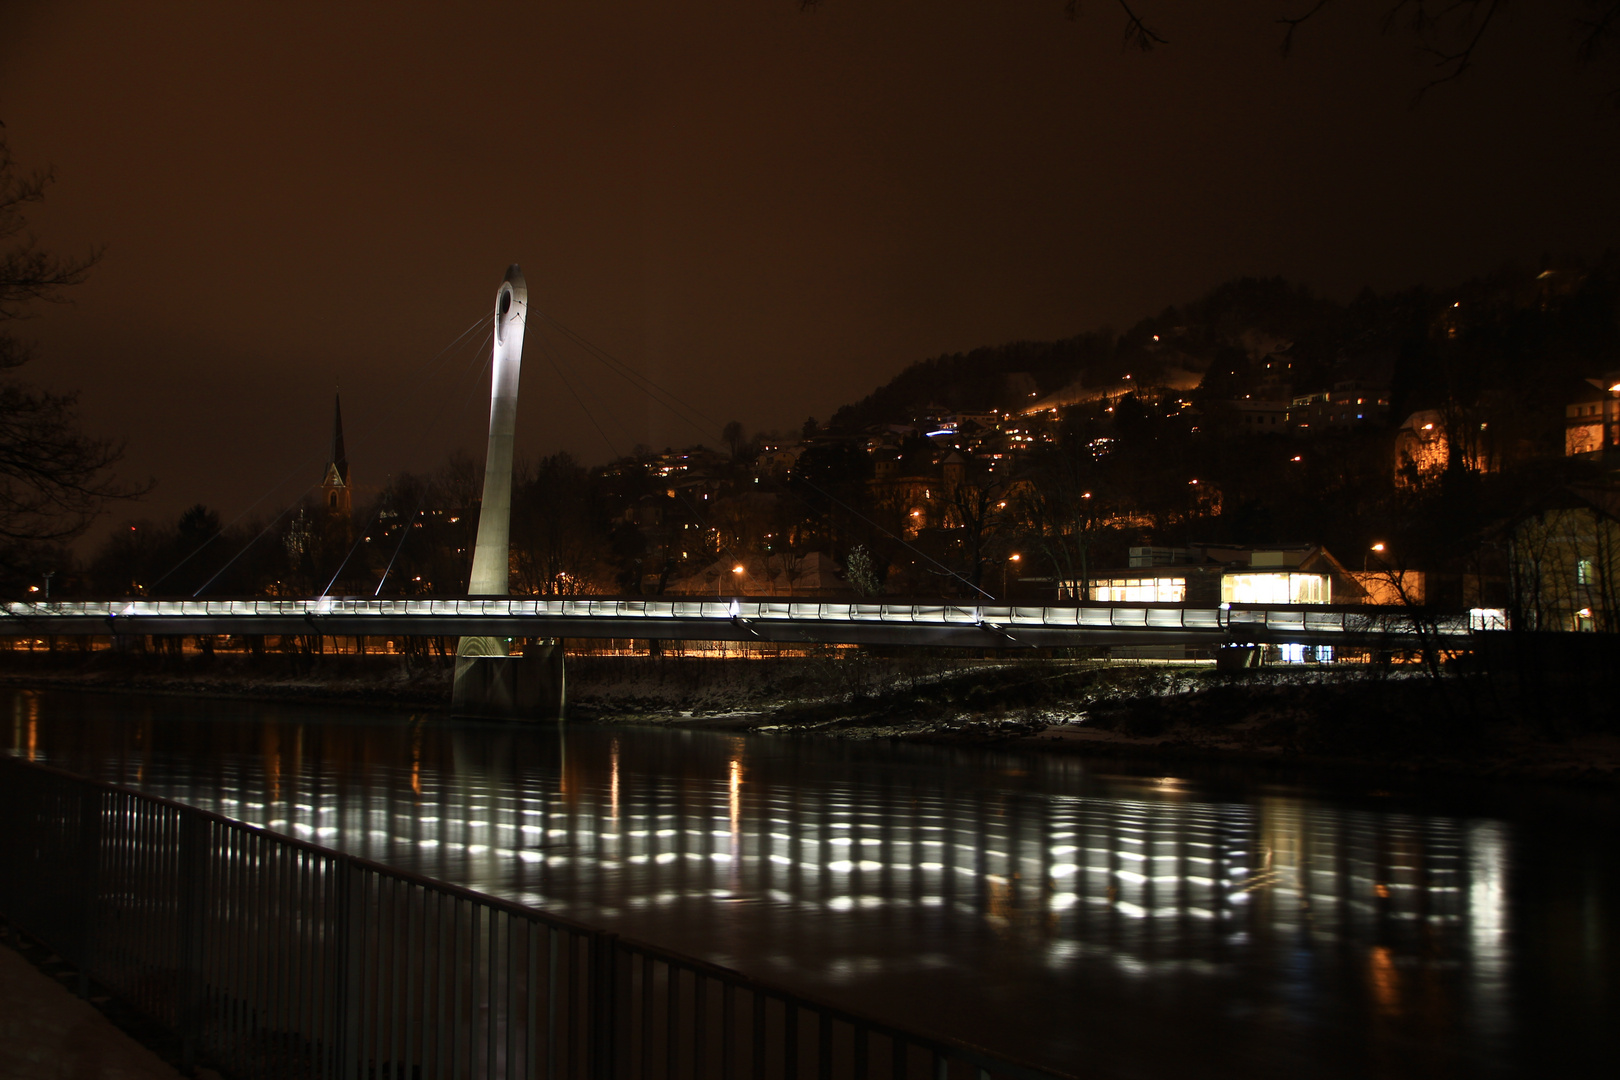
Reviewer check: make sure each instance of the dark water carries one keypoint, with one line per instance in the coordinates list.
(1062, 909)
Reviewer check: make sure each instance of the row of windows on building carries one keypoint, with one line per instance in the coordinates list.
(1239, 588)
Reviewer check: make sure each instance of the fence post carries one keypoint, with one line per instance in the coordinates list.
(89, 881)
(349, 906)
(604, 949)
(192, 885)
(12, 831)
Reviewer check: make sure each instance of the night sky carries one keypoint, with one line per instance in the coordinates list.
(769, 211)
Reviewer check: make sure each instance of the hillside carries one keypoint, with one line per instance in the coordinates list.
(1519, 335)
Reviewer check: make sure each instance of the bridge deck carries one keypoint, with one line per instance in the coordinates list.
(742, 619)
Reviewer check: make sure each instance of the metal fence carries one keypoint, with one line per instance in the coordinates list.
(273, 957)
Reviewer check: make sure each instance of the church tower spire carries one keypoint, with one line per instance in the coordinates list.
(335, 490)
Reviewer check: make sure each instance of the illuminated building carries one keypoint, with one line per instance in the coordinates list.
(1208, 574)
(1592, 418)
(1567, 561)
(1424, 447)
(1348, 404)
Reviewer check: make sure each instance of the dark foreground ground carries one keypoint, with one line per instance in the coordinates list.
(1397, 717)
(47, 1032)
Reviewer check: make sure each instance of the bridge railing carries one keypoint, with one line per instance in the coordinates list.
(273, 957)
(1360, 622)
(1235, 618)
(615, 607)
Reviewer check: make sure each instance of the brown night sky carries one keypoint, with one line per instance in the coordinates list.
(770, 211)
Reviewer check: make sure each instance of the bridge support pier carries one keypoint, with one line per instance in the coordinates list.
(532, 686)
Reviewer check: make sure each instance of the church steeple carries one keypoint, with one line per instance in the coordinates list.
(339, 458)
(335, 489)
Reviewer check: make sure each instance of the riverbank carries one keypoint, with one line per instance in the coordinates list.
(1394, 719)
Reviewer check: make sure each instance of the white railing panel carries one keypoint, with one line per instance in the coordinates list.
(1095, 616)
(1325, 621)
(1284, 619)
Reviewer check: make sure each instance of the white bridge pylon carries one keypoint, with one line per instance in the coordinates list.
(493, 548)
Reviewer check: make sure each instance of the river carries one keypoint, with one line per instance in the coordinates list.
(1112, 919)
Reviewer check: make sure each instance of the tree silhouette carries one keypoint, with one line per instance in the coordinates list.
(54, 479)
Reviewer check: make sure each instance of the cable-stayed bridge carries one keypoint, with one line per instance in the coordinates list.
(492, 679)
(774, 619)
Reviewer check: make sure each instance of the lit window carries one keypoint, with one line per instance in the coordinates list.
(1165, 590)
(1275, 588)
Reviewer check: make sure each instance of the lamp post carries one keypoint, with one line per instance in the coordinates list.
(1014, 557)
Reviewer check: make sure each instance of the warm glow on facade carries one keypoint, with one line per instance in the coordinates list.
(1162, 590)
(1276, 588)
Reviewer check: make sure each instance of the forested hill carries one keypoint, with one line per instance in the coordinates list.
(979, 379)
(1537, 326)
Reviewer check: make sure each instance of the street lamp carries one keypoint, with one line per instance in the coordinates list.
(1014, 557)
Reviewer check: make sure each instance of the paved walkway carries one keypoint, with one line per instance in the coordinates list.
(48, 1033)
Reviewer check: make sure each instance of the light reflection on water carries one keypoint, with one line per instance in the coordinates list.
(1108, 925)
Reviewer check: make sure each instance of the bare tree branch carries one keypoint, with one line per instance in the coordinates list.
(1137, 34)
(53, 478)
(1295, 22)
(1449, 32)
(1464, 20)
(1596, 31)
(26, 272)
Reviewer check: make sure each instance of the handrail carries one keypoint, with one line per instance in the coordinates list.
(944, 614)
